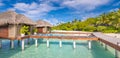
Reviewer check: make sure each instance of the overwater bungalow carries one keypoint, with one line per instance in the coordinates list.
(11, 23)
(43, 26)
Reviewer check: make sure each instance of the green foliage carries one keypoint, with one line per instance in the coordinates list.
(118, 30)
(101, 28)
(28, 33)
(110, 31)
(35, 30)
(106, 22)
(24, 30)
(89, 28)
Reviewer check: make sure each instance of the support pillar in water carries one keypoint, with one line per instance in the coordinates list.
(28, 41)
(47, 42)
(117, 52)
(0, 43)
(106, 47)
(12, 44)
(89, 44)
(74, 44)
(18, 42)
(60, 43)
(23, 44)
(101, 43)
(36, 42)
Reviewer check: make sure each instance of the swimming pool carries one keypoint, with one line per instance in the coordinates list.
(54, 51)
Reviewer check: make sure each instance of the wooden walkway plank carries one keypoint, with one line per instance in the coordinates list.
(70, 33)
(109, 40)
(65, 37)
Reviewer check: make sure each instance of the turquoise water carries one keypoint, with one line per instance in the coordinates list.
(54, 51)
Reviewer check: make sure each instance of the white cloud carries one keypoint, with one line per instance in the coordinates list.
(53, 21)
(42, 8)
(12, 9)
(84, 4)
(36, 11)
(50, 1)
(33, 10)
(1, 4)
(115, 9)
(21, 6)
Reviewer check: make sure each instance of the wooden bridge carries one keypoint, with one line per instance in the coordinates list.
(108, 40)
(74, 38)
(61, 37)
(111, 41)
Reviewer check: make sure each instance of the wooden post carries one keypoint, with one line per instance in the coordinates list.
(46, 29)
(60, 43)
(12, 44)
(117, 54)
(74, 44)
(0, 43)
(36, 42)
(89, 44)
(50, 29)
(30, 30)
(18, 42)
(106, 47)
(23, 44)
(28, 41)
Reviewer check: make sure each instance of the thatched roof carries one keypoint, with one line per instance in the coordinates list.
(11, 17)
(41, 23)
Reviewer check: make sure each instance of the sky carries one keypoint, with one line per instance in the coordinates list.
(59, 11)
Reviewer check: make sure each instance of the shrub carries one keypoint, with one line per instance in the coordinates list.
(35, 30)
(110, 31)
(101, 28)
(24, 30)
(89, 28)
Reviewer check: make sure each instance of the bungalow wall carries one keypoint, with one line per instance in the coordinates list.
(43, 29)
(12, 30)
(40, 29)
(8, 31)
(4, 31)
(18, 27)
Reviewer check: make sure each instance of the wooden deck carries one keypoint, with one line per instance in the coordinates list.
(111, 41)
(70, 33)
(60, 37)
(27, 36)
(65, 37)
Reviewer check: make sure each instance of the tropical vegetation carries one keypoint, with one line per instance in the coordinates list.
(24, 30)
(106, 22)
